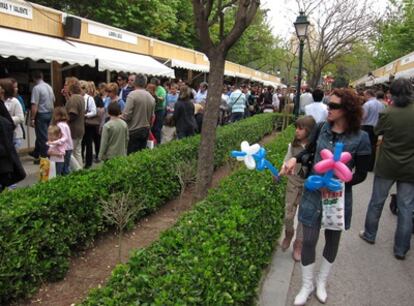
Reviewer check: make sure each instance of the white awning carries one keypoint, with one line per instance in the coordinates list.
(229, 73)
(189, 66)
(369, 83)
(257, 79)
(116, 60)
(40, 47)
(409, 73)
(274, 84)
(243, 76)
(382, 79)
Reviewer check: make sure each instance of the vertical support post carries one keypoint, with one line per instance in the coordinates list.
(297, 98)
(57, 82)
(189, 76)
(108, 76)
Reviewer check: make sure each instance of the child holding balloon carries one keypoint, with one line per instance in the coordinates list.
(294, 188)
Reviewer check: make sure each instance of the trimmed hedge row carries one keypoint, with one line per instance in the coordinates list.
(42, 225)
(215, 254)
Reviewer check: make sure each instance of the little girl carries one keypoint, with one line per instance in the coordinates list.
(56, 151)
(60, 119)
(294, 188)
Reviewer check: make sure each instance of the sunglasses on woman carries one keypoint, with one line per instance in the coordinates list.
(332, 105)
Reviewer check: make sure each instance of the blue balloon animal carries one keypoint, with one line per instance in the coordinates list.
(254, 157)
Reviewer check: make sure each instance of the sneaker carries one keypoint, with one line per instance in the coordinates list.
(362, 236)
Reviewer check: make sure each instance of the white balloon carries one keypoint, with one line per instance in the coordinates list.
(250, 150)
(244, 146)
(250, 162)
(253, 149)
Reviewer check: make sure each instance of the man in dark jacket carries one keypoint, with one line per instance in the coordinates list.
(11, 169)
(395, 164)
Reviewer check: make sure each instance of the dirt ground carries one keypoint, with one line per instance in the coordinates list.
(91, 268)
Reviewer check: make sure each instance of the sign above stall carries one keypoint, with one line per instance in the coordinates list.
(16, 8)
(111, 33)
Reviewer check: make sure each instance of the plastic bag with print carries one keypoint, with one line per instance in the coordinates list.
(333, 209)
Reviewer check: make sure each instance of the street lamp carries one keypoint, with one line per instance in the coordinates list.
(301, 27)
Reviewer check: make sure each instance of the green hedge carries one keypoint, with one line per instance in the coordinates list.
(215, 254)
(41, 226)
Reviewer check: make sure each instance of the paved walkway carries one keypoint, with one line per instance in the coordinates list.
(363, 274)
(32, 171)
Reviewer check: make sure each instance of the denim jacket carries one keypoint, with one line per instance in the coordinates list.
(310, 211)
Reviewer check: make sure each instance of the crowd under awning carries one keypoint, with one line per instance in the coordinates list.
(40, 47)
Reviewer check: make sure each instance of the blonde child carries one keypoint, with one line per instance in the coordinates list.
(60, 118)
(294, 188)
(56, 150)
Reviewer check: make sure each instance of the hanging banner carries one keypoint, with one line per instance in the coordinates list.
(16, 9)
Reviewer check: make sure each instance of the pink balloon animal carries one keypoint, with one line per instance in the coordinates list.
(339, 168)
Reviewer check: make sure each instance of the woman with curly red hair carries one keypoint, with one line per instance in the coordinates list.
(343, 125)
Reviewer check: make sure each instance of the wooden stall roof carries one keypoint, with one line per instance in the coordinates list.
(31, 17)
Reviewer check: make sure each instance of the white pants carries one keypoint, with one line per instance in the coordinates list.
(76, 158)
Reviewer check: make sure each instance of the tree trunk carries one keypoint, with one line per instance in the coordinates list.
(205, 165)
(314, 78)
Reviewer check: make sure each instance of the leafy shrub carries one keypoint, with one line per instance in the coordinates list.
(41, 226)
(215, 254)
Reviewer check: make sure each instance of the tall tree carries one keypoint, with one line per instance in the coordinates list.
(396, 32)
(206, 14)
(353, 65)
(335, 27)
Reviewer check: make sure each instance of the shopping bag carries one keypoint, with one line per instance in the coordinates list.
(152, 141)
(333, 209)
(47, 170)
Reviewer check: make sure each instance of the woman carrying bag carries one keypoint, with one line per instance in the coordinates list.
(343, 125)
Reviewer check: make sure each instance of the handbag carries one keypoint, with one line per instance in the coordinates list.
(333, 209)
(95, 120)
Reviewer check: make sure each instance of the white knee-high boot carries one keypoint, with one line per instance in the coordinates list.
(307, 285)
(321, 281)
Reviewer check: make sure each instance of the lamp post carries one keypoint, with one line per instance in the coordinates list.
(301, 27)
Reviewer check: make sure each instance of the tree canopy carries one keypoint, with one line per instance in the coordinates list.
(396, 32)
(173, 21)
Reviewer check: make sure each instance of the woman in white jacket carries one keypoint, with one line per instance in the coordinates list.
(14, 108)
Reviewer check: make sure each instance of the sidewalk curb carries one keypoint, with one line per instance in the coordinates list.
(276, 283)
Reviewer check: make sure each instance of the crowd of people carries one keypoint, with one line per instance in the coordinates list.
(100, 121)
(118, 118)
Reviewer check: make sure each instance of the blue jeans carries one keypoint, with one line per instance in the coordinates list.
(59, 168)
(158, 123)
(66, 163)
(405, 204)
(236, 117)
(41, 125)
